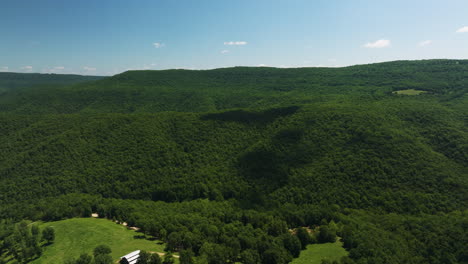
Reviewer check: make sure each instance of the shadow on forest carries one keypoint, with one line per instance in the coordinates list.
(268, 166)
(243, 116)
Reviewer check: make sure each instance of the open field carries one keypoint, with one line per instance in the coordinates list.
(81, 235)
(316, 252)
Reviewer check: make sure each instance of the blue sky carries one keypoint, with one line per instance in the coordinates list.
(105, 37)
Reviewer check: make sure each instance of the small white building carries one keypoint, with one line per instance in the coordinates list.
(131, 257)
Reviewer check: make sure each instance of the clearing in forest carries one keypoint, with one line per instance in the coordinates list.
(316, 252)
(81, 235)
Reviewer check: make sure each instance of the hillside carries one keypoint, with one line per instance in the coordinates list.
(211, 156)
(11, 81)
(242, 87)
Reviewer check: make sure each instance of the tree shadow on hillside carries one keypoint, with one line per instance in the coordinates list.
(267, 167)
(243, 116)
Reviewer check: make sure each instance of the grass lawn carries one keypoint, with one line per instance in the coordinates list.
(316, 252)
(81, 235)
(410, 92)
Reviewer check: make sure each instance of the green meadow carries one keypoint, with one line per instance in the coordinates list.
(315, 253)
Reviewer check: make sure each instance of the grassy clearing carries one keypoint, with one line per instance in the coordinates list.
(316, 252)
(81, 235)
(410, 92)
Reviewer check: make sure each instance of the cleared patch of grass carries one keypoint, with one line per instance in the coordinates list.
(410, 92)
(81, 235)
(316, 252)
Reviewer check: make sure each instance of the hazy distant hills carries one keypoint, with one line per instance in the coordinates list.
(240, 87)
(11, 80)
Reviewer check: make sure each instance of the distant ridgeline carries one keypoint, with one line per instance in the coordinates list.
(245, 150)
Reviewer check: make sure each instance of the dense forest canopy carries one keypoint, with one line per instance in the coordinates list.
(240, 151)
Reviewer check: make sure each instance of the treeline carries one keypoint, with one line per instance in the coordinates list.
(221, 232)
(23, 241)
(241, 87)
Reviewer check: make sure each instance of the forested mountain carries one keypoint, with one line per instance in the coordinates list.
(255, 150)
(11, 80)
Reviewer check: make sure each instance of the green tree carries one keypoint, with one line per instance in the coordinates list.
(102, 250)
(326, 235)
(48, 234)
(155, 259)
(143, 257)
(186, 257)
(168, 258)
(292, 244)
(103, 259)
(35, 231)
(250, 256)
(276, 256)
(84, 259)
(304, 236)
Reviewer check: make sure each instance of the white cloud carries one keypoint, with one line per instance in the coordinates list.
(59, 68)
(381, 43)
(86, 68)
(158, 45)
(235, 43)
(262, 65)
(224, 51)
(27, 68)
(4, 69)
(425, 43)
(463, 30)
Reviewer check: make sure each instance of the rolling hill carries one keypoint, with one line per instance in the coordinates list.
(293, 147)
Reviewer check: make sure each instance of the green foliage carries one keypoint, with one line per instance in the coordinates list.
(156, 259)
(48, 234)
(84, 259)
(143, 258)
(168, 258)
(103, 259)
(187, 257)
(222, 163)
(304, 237)
(326, 235)
(102, 250)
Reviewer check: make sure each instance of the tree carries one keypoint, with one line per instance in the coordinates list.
(303, 236)
(276, 256)
(84, 259)
(326, 235)
(186, 257)
(103, 259)
(48, 234)
(143, 257)
(155, 259)
(292, 244)
(250, 256)
(168, 258)
(101, 250)
(35, 231)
